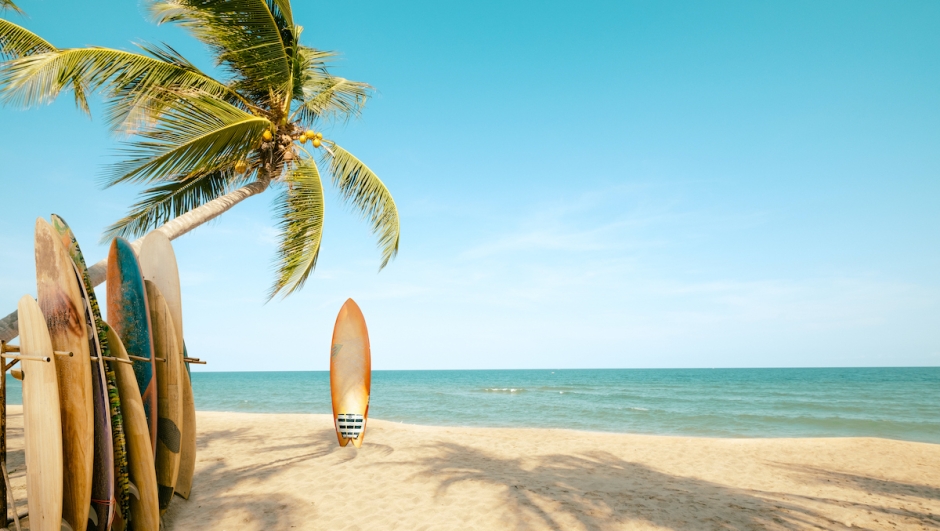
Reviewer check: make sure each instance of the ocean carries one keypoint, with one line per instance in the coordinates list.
(896, 403)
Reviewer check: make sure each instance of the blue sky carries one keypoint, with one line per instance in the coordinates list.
(623, 184)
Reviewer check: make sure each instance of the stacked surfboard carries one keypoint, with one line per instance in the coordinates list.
(109, 417)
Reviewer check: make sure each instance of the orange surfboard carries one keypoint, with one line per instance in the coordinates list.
(350, 374)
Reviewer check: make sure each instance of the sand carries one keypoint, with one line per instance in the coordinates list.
(273, 472)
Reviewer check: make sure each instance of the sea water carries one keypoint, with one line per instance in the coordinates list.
(897, 403)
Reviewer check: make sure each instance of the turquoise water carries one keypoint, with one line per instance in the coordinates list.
(898, 403)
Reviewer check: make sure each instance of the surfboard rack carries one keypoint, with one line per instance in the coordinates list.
(21, 357)
(196, 361)
(4, 348)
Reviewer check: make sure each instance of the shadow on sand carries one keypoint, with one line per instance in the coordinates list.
(600, 491)
(264, 512)
(593, 490)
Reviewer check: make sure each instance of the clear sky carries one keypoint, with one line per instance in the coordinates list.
(622, 184)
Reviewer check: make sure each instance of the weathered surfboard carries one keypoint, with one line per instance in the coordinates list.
(129, 315)
(158, 264)
(102, 487)
(145, 509)
(60, 299)
(170, 404)
(121, 492)
(42, 424)
(184, 481)
(350, 374)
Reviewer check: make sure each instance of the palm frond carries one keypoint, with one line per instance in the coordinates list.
(8, 4)
(16, 41)
(363, 189)
(171, 199)
(199, 134)
(321, 95)
(333, 98)
(254, 39)
(132, 78)
(300, 209)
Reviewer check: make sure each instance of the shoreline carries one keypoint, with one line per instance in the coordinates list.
(259, 471)
(572, 430)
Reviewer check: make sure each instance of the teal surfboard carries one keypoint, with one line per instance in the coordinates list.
(129, 316)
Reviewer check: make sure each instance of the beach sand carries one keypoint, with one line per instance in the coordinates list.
(273, 472)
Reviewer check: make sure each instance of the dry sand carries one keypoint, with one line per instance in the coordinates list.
(274, 472)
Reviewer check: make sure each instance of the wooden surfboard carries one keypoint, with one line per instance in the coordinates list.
(145, 509)
(102, 486)
(184, 482)
(158, 264)
(350, 374)
(60, 299)
(170, 405)
(109, 485)
(129, 315)
(42, 425)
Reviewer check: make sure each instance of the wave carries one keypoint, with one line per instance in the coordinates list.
(504, 390)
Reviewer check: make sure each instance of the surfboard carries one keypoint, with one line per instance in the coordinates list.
(158, 264)
(184, 482)
(144, 508)
(102, 486)
(60, 299)
(169, 408)
(118, 493)
(129, 316)
(350, 374)
(42, 425)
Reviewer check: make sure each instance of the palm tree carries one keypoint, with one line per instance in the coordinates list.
(202, 144)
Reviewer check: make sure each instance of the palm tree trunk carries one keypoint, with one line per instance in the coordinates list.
(9, 325)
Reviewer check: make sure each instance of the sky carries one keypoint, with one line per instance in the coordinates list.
(581, 185)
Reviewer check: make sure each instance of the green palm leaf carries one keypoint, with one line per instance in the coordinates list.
(300, 209)
(321, 95)
(254, 39)
(128, 77)
(168, 200)
(16, 41)
(196, 135)
(363, 189)
(192, 133)
(8, 4)
(333, 97)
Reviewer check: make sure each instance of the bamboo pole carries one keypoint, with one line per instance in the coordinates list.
(9, 489)
(109, 358)
(141, 358)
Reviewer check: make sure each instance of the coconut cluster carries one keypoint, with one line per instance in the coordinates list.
(315, 138)
(279, 145)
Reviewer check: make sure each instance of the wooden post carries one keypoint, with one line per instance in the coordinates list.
(3, 439)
